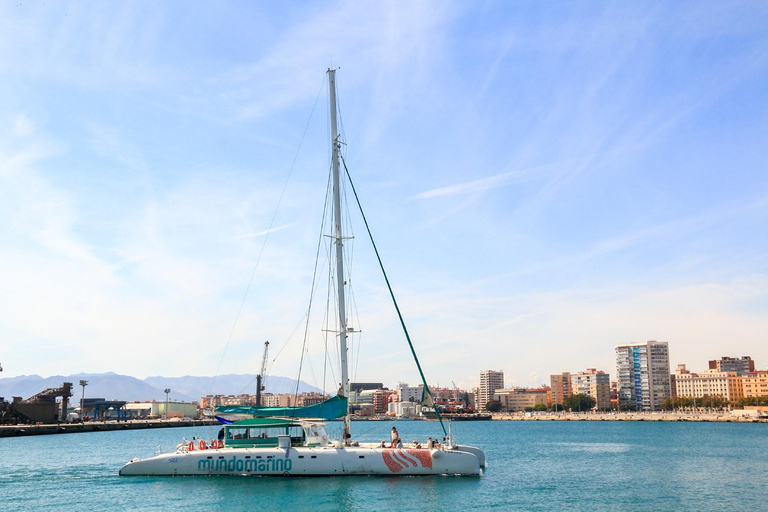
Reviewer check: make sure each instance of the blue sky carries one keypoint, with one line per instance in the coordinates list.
(544, 180)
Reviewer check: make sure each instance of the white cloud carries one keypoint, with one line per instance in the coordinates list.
(23, 126)
(492, 182)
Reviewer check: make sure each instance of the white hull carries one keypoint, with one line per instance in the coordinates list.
(307, 461)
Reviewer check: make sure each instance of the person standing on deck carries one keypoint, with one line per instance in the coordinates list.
(393, 437)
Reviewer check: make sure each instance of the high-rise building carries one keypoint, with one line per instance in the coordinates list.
(742, 366)
(490, 381)
(643, 374)
(595, 383)
(561, 387)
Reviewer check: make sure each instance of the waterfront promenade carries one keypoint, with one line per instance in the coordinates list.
(98, 426)
(725, 417)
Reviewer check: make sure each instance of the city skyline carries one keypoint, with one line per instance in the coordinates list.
(543, 184)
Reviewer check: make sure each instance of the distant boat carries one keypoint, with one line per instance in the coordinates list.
(293, 441)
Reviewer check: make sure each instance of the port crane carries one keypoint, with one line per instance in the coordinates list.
(261, 378)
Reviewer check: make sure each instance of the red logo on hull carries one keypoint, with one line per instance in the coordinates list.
(397, 460)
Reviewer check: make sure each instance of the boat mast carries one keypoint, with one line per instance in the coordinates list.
(335, 148)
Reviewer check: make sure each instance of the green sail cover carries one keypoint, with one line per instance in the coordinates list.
(330, 409)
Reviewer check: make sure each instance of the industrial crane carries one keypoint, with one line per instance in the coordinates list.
(261, 378)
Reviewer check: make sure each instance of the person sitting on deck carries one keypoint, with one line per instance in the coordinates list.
(398, 443)
(383, 444)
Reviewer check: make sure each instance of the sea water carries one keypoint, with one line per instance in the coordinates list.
(532, 465)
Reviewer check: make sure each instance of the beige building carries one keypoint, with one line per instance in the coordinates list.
(756, 384)
(279, 400)
(517, 399)
(595, 383)
(709, 383)
(490, 381)
(561, 387)
(155, 409)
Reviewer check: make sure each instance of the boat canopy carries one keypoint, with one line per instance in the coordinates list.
(330, 409)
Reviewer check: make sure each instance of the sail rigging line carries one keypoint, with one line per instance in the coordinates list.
(394, 301)
(266, 237)
(327, 363)
(313, 288)
(287, 340)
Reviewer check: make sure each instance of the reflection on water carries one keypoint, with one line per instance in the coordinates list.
(595, 447)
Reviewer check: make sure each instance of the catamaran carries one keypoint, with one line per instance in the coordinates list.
(293, 441)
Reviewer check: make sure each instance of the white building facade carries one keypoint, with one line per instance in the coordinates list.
(490, 381)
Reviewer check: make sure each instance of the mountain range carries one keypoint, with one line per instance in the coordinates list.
(112, 386)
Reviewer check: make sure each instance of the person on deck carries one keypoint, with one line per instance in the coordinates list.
(221, 436)
(393, 437)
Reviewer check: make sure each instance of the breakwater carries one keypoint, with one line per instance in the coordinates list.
(98, 426)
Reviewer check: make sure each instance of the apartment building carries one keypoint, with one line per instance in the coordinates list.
(742, 365)
(642, 371)
(756, 384)
(709, 383)
(517, 399)
(561, 387)
(595, 383)
(490, 381)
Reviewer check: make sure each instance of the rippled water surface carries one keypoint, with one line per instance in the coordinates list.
(532, 466)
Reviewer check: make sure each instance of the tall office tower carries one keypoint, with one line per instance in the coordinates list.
(490, 381)
(742, 365)
(561, 387)
(643, 374)
(595, 383)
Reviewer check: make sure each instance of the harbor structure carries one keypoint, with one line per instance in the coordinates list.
(490, 381)
(710, 383)
(642, 370)
(594, 383)
(742, 365)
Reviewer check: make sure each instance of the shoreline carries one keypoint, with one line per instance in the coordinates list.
(96, 426)
(723, 417)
